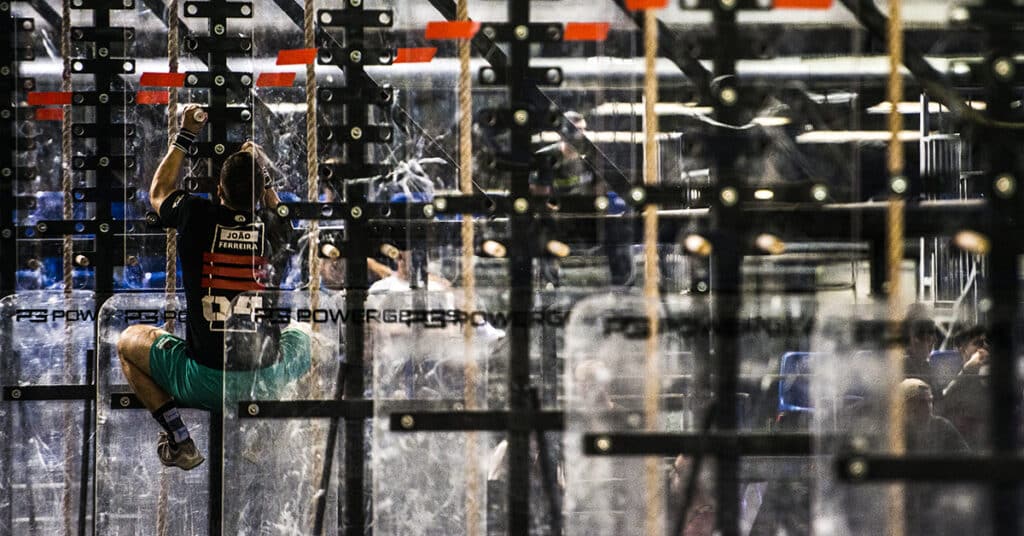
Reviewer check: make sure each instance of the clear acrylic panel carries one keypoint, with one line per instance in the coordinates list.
(422, 363)
(47, 339)
(853, 379)
(266, 460)
(606, 388)
(134, 493)
(607, 393)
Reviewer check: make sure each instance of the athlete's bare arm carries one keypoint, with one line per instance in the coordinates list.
(165, 181)
(269, 199)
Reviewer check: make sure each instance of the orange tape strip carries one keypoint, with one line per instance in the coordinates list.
(415, 55)
(49, 98)
(637, 5)
(296, 56)
(152, 97)
(275, 80)
(162, 79)
(586, 31)
(49, 114)
(803, 4)
(444, 30)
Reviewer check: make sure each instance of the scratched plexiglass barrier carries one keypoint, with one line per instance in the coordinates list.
(282, 474)
(808, 90)
(135, 494)
(46, 339)
(429, 482)
(422, 364)
(606, 351)
(620, 380)
(846, 387)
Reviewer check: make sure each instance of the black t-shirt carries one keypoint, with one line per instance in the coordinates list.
(224, 253)
(567, 175)
(936, 435)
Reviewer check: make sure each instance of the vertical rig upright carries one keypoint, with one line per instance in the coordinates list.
(728, 236)
(12, 170)
(365, 106)
(106, 58)
(520, 265)
(1001, 153)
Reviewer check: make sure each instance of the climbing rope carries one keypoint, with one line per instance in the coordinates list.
(652, 381)
(894, 239)
(465, 90)
(67, 250)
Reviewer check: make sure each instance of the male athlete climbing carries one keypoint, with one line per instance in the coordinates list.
(225, 249)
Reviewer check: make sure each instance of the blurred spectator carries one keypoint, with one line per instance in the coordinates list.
(926, 432)
(965, 398)
(921, 338)
(930, 508)
(563, 170)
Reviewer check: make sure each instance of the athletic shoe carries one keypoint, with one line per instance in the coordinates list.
(184, 455)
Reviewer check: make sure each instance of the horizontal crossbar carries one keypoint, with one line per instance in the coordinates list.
(487, 421)
(671, 444)
(21, 393)
(946, 468)
(305, 409)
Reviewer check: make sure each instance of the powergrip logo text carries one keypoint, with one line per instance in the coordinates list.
(430, 318)
(130, 316)
(54, 315)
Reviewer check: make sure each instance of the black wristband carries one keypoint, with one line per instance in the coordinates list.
(184, 141)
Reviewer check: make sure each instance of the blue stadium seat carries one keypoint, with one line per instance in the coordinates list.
(945, 364)
(412, 197)
(794, 382)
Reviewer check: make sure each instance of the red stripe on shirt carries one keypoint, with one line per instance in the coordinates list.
(229, 258)
(229, 284)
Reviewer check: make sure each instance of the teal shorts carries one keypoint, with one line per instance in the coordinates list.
(196, 386)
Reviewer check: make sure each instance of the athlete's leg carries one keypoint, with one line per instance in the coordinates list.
(133, 347)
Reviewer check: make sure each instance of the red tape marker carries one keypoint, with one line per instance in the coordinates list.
(445, 30)
(49, 114)
(415, 55)
(296, 56)
(803, 4)
(275, 80)
(162, 79)
(152, 97)
(637, 5)
(49, 98)
(586, 31)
